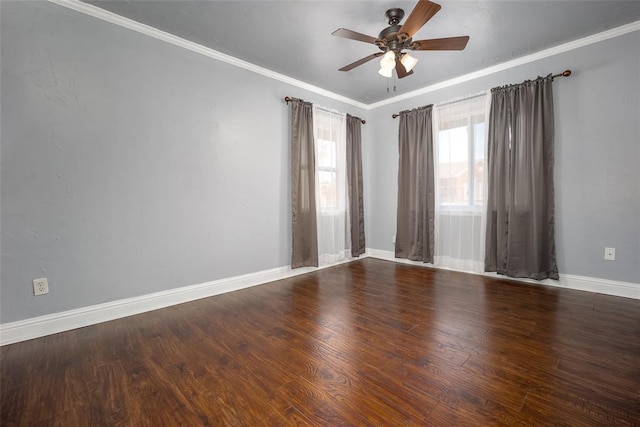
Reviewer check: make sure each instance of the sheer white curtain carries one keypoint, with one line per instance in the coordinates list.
(460, 135)
(330, 130)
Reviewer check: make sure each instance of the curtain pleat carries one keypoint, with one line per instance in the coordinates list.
(354, 184)
(416, 199)
(303, 199)
(520, 239)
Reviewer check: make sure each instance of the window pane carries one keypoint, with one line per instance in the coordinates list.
(328, 190)
(453, 166)
(326, 153)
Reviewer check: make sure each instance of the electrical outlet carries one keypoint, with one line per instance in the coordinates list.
(40, 286)
(610, 254)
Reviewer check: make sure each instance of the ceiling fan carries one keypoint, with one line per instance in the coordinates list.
(395, 38)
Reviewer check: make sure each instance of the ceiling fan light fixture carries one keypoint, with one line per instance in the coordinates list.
(385, 72)
(408, 61)
(398, 36)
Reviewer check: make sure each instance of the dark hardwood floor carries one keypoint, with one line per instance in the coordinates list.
(366, 343)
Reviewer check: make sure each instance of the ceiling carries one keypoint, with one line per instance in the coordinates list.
(294, 38)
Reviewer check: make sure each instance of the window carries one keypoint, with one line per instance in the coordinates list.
(460, 159)
(327, 174)
(460, 210)
(330, 134)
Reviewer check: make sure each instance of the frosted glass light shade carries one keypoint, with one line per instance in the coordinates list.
(408, 61)
(385, 72)
(388, 61)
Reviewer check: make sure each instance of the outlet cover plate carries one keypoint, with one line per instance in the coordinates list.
(40, 286)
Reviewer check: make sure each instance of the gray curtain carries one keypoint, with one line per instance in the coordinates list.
(416, 201)
(303, 198)
(354, 185)
(520, 207)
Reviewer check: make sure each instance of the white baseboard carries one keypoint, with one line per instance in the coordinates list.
(36, 327)
(567, 281)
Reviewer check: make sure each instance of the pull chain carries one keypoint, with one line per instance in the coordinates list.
(394, 84)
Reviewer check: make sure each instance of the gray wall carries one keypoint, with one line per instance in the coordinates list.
(597, 172)
(131, 166)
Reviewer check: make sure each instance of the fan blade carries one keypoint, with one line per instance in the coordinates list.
(420, 14)
(401, 71)
(361, 61)
(348, 34)
(449, 43)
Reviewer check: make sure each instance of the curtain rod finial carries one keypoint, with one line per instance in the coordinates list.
(565, 73)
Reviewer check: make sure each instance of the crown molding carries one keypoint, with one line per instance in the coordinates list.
(130, 24)
(104, 15)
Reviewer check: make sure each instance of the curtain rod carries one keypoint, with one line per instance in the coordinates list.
(565, 73)
(287, 99)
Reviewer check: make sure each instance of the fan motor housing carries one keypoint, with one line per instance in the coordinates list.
(387, 39)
